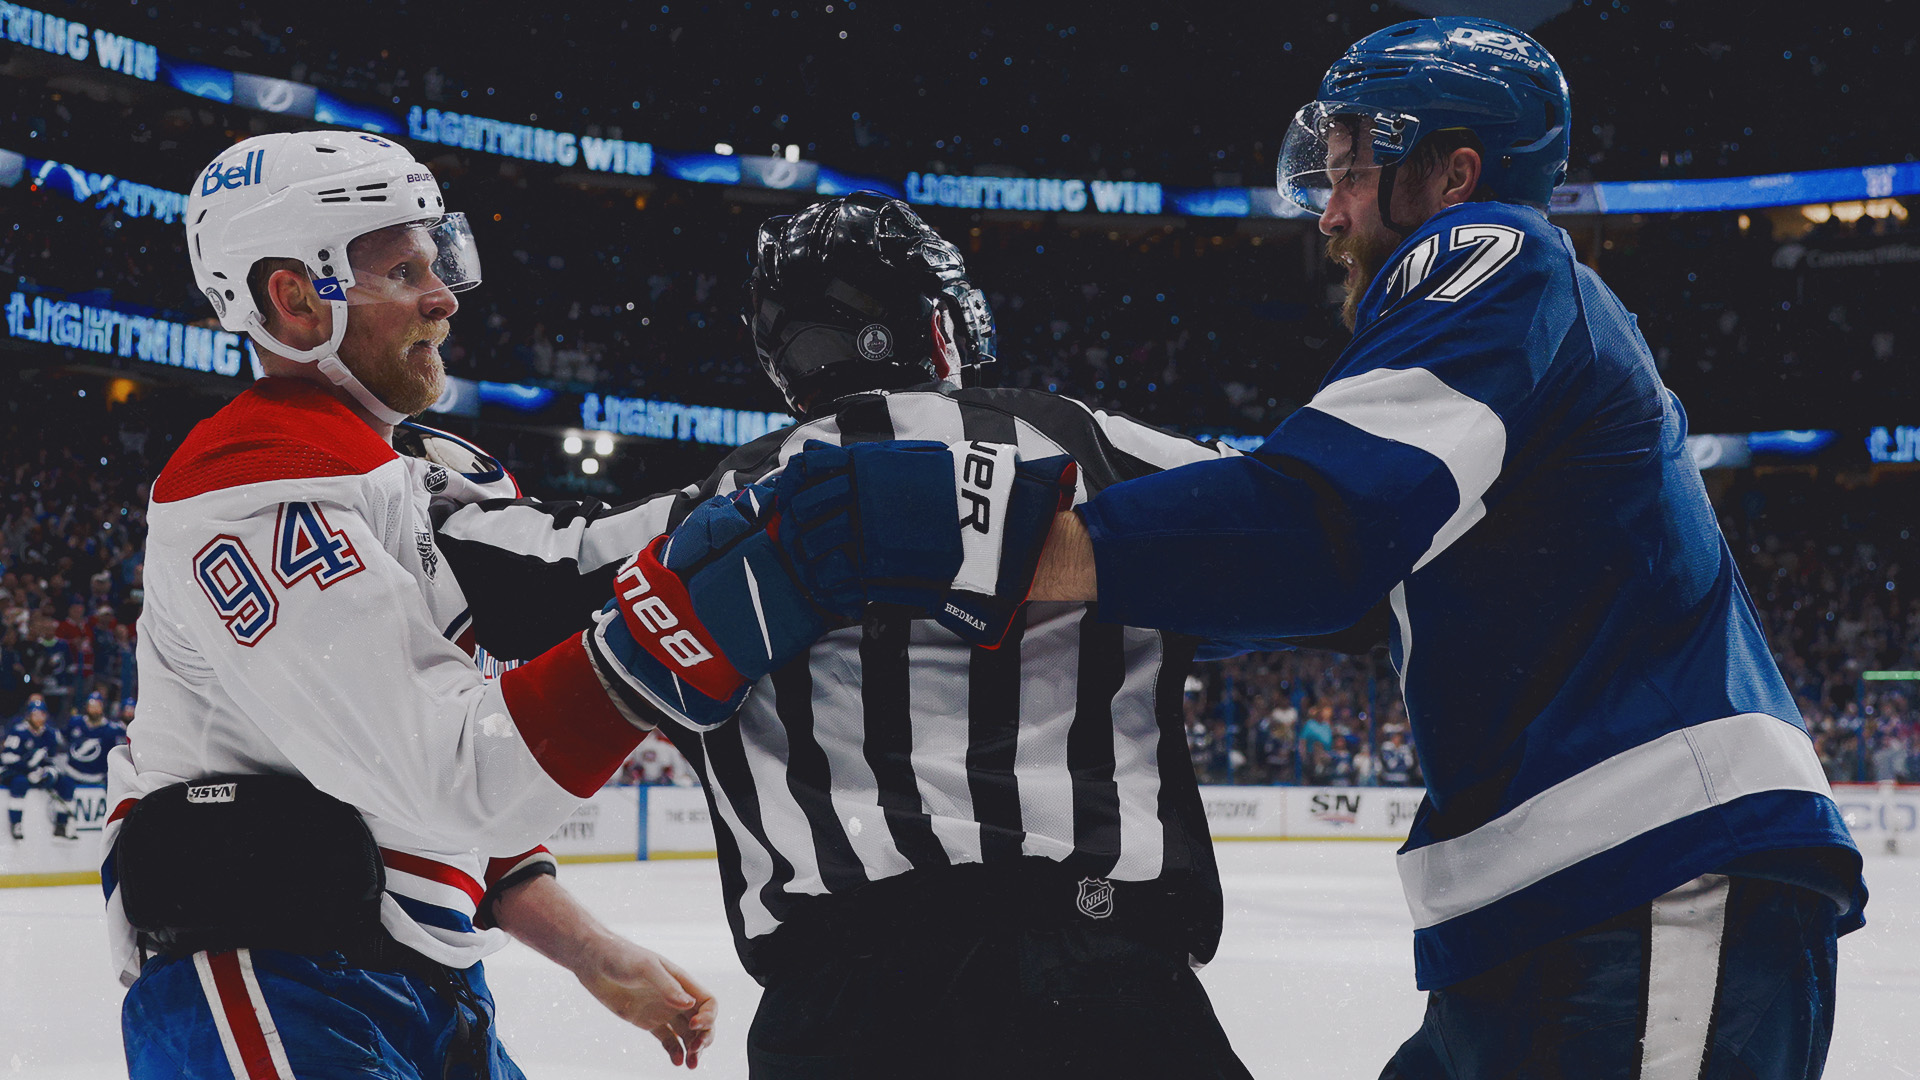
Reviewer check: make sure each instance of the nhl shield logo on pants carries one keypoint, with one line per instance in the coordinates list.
(1096, 898)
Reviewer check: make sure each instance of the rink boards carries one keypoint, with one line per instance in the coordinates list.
(625, 823)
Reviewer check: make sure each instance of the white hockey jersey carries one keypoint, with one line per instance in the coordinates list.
(299, 620)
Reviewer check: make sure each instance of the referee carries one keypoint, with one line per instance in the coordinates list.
(939, 860)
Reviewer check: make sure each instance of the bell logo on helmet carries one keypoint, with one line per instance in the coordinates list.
(875, 342)
(245, 174)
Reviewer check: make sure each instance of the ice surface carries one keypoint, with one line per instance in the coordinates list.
(1314, 977)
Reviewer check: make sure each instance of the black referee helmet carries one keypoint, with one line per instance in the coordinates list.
(857, 293)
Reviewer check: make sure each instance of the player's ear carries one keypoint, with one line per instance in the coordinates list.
(293, 299)
(1461, 176)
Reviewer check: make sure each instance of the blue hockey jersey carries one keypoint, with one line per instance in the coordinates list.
(87, 746)
(1596, 711)
(26, 752)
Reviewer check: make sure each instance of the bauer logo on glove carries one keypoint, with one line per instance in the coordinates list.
(706, 611)
(648, 615)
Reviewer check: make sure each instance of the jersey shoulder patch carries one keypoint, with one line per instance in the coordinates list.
(280, 429)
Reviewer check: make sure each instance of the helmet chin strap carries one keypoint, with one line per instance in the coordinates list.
(1386, 199)
(326, 360)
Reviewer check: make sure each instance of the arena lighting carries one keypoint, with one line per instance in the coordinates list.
(1891, 676)
(1821, 213)
(723, 149)
(603, 445)
(590, 466)
(793, 151)
(572, 444)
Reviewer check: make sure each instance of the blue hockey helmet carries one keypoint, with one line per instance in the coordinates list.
(1411, 80)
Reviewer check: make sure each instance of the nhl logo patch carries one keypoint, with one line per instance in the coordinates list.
(875, 342)
(1096, 898)
(436, 480)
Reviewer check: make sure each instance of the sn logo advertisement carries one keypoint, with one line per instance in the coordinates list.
(245, 174)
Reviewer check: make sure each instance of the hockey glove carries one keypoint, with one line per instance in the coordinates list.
(702, 613)
(955, 532)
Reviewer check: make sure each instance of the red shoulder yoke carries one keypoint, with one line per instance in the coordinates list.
(279, 429)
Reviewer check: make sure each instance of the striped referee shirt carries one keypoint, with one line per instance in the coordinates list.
(894, 746)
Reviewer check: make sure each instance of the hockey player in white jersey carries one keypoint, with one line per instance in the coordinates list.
(328, 817)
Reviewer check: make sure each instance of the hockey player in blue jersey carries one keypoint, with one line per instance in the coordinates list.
(34, 756)
(89, 736)
(1629, 863)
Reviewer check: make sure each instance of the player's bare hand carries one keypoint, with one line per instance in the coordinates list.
(651, 992)
(638, 985)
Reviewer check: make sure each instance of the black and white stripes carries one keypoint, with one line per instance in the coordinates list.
(894, 746)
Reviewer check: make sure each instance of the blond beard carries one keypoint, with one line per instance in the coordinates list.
(406, 387)
(1365, 256)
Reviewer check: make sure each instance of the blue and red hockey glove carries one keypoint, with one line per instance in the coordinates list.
(702, 613)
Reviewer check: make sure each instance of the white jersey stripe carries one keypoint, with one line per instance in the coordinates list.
(1047, 714)
(840, 727)
(1412, 406)
(939, 755)
(756, 865)
(1136, 772)
(530, 530)
(1397, 600)
(1630, 793)
(925, 416)
(1687, 932)
(1162, 449)
(767, 753)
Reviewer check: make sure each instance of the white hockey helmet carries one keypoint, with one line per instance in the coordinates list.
(306, 195)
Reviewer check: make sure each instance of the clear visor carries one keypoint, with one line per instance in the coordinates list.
(1329, 141)
(399, 263)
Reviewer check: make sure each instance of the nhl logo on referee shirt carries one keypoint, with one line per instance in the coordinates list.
(1096, 897)
(875, 342)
